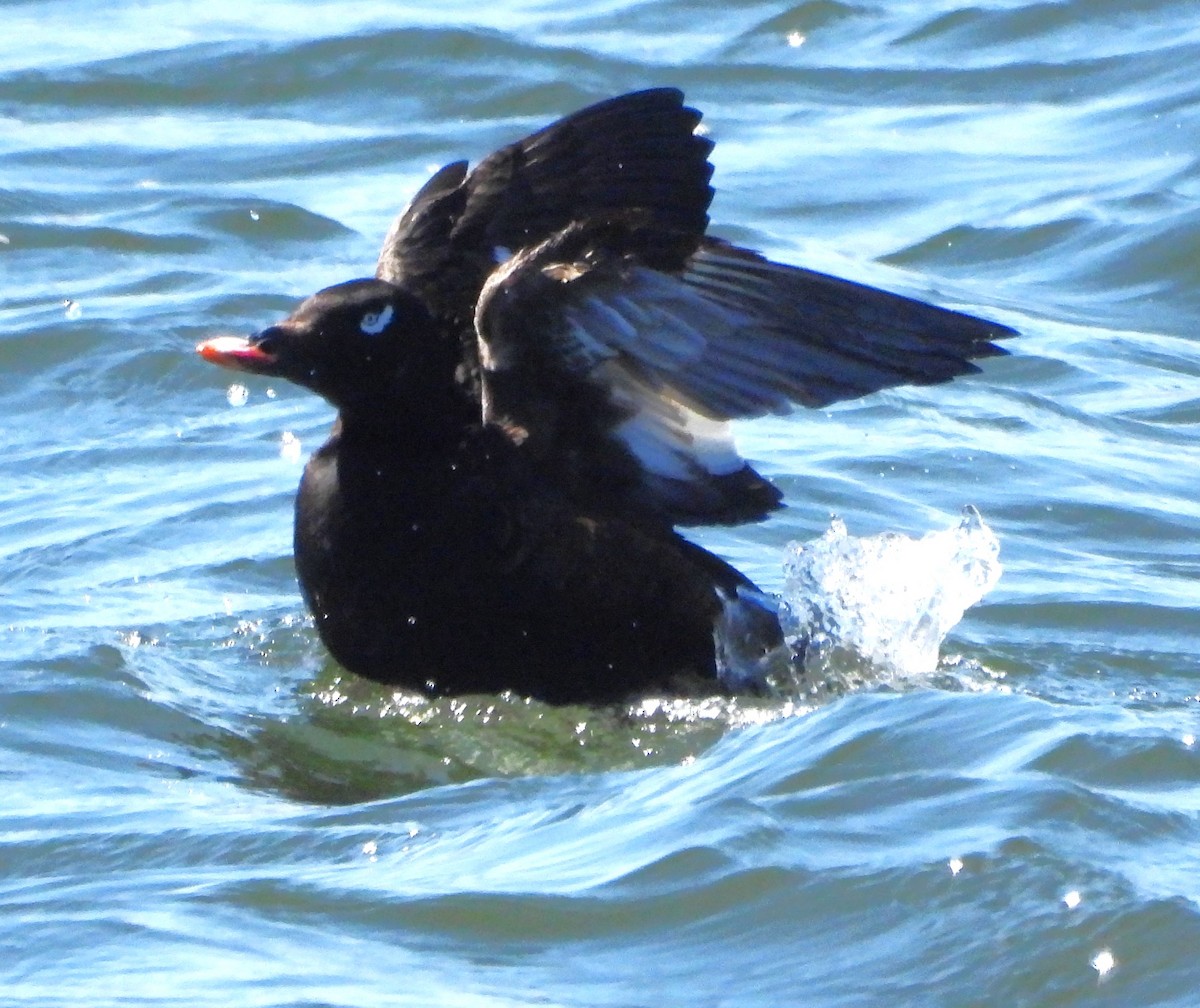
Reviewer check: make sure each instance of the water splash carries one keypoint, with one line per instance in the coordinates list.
(861, 610)
(880, 606)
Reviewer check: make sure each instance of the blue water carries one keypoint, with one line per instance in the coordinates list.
(199, 808)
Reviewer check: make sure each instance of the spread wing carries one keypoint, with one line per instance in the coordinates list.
(636, 150)
(585, 343)
(616, 341)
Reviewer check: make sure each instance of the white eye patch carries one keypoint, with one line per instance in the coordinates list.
(373, 323)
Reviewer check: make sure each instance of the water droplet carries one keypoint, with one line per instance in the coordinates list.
(795, 39)
(956, 865)
(1072, 899)
(254, 215)
(73, 309)
(237, 395)
(289, 447)
(1104, 962)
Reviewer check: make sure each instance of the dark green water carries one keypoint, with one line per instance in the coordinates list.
(198, 809)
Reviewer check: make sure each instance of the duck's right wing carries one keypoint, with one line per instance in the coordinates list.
(589, 350)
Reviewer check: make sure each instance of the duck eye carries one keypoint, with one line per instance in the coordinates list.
(373, 323)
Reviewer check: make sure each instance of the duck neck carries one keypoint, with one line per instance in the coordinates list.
(405, 428)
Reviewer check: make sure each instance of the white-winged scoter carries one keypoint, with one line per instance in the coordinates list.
(536, 388)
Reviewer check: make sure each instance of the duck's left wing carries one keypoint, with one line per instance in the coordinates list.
(638, 150)
(586, 348)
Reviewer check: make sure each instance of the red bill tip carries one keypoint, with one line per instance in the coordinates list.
(235, 352)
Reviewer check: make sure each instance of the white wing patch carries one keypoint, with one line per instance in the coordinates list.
(373, 323)
(667, 437)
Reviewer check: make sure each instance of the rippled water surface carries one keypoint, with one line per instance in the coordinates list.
(200, 809)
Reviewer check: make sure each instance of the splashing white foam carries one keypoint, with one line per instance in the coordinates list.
(874, 608)
(884, 603)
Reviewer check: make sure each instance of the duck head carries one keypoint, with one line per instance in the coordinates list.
(356, 343)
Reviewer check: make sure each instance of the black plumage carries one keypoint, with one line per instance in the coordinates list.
(535, 389)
